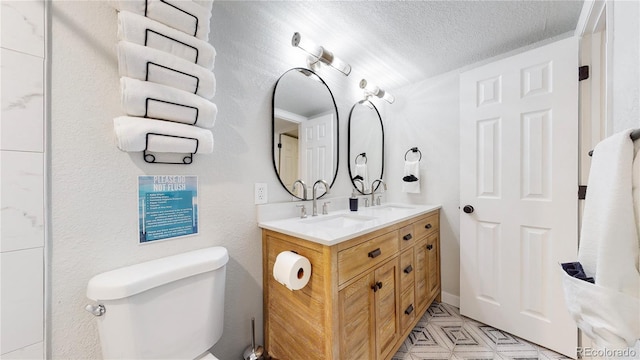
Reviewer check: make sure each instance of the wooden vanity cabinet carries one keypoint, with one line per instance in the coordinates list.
(364, 297)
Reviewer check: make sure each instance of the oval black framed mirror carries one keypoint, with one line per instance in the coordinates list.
(365, 145)
(305, 134)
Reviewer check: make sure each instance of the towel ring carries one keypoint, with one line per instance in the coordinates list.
(364, 156)
(413, 149)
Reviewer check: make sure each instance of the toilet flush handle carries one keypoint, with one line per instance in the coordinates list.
(96, 310)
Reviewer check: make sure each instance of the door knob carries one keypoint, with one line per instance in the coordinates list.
(468, 209)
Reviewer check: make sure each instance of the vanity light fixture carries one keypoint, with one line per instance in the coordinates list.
(372, 90)
(319, 53)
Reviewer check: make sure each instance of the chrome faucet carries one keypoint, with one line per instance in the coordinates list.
(373, 189)
(304, 188)
(326, 191)
(361, 183)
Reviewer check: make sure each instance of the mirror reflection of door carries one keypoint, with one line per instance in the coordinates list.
(316, 147)
(305, 131)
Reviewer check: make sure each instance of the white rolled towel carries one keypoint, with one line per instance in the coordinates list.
(169, 137)
(144, 63)
(144, 31)
(147, 99)
(186, 16)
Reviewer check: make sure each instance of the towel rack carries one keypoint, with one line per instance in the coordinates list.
(635, 135)
(146, 40)
(363, 155)
(178, 71)
(146, 110)
(414, 150)
(150, 158)
(195, 32)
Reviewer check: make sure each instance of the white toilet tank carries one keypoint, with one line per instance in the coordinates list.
(169, 308)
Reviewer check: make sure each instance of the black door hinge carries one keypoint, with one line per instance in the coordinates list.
(583, 72)
(582, 192)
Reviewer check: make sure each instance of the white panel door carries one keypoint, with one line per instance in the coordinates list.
(519, 172)
(316, 149)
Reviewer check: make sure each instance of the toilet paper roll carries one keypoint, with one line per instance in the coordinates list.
(292, 270)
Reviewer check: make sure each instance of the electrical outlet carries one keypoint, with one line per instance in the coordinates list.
(261, 193)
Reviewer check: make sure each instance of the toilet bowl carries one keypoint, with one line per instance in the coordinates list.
(169, 308)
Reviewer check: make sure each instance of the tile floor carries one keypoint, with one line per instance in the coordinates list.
(443, 333)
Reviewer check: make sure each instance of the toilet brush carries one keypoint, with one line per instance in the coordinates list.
(251, 353)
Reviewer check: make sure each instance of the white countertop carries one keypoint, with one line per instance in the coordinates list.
(342, 225)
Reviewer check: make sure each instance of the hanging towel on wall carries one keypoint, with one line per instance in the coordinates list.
(144, 63)
(411, 180)
(131, 135)
(186, 16)
(147, 99)
(609, 243)
(609, 250)
(144, 31)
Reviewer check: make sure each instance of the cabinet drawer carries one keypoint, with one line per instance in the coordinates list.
(408, 309)
(407, 269)
(407, 237)
(426, 226)
(356, 259)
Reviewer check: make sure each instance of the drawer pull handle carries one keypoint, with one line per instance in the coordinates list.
(374, 287)
(429, 247)
(428, 226)
(407, 237)
(375, 253)
(408, 269)
(379, 284)
(409, 309)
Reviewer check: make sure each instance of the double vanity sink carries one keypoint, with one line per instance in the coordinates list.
(374, 273)
(342, 225)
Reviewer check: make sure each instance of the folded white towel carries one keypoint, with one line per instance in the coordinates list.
(144, 63)
(186, 16)
(412, 170)
(609, 244)
(361, 170)
(144, 31)
(147, 99)
(131, 134)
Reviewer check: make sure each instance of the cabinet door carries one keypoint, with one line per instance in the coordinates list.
(433, 265)
(357, 331)
(421, 271)
(386, 307)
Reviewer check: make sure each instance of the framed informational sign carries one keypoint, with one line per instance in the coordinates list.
(167, 207)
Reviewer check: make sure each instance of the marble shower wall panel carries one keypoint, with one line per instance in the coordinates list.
(22, 179)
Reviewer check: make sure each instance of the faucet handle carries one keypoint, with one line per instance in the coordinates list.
(378, 199)
(366, 202)
(325, 207)
(303, 211)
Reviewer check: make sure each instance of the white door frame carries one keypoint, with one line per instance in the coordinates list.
(594, 27)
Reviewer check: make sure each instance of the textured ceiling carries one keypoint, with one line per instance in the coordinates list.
(398, 43)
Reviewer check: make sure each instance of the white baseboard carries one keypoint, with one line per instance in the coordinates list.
(450, 299)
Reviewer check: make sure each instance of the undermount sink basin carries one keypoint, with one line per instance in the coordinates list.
(338, 220)
(392, 207)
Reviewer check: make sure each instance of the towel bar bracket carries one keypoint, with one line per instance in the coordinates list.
(151, 158)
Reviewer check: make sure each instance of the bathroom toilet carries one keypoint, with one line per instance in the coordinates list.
(169, 308)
